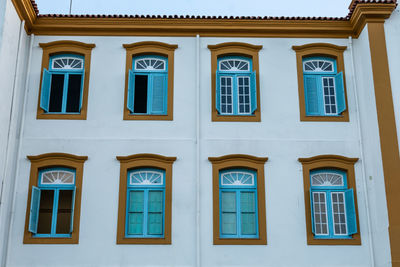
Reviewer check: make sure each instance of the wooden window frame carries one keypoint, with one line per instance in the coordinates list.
(329, 162)
(144, 161)
(234, 49)
(319, 50)
(65, 47)
(49, 160)
(150, 48)
(236, 161)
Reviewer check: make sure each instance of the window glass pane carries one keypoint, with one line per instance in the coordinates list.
(248, 215)
(226, 95)
(74, 92)
(228, 221)
(329, 95)
(135, 223)
(140, 102)
(45, 211)
(339, 213)
(56, 92)
(244, 94)
(64, 211)
(155, 223)
(320, 213)
(136, 199)
(248, 226)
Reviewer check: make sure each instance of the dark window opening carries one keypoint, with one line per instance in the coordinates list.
(45, 211)
(140, 102)
(74, 92)
(64, 212)
(56, 92)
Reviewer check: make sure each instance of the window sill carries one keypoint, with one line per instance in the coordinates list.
(340, 118)
(61, 116)
(145, 117)
(355, 240)
(30, 239)
(240, 241)
(143, 241)
(239, 118)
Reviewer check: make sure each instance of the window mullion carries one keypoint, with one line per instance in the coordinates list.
(329, 213)
(54, 214)
(238, 214)
(65, 93)
(145, 210)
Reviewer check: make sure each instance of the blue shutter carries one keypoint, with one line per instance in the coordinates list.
(155, 215)
(248, 213)
(350, 212)
(82, 86)
(311, 95)
(253, 91)
(218, 92)
(135, 215)
(340, 97)
(312, 212)
(45, 91)
(158, 101)
(34, 212)
(131, 82)
(228, 213)
(72, 210)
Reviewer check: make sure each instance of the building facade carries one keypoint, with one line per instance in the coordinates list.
(200, 141)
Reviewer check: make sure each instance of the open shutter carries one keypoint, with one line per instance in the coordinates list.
(135, 213)
(312, 212)
(218, 92)
(155, 213)
(340, 97)
(350, 212)
(131, 81)
(311, 95)
(253, 91)
(34, 212)
(82, 86)
(228, 213)
(45, 91)
(72, 210)
(158, 103)
(248, 213)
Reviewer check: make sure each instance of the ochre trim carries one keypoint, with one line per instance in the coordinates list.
(218, 27)
(237, 49)
(387, 133)
(140, 161)
(55, 160)
(59, 47)
(329, 161)
(150, 48)
(239, 161)
(319, 49)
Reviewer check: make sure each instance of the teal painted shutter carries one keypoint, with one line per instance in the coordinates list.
(311, 95)
(34, 212)
(155, 216)
(81, 96)
(135, 216)
(350, 212)
(159, 89)
(218, 92)
(253, 91)
(340, 97)
(228, 213)
(312, 212)
(45, 91)
(72, 210)
(248, 213)
(131, 82)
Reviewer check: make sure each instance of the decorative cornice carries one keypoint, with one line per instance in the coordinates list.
(312, 46)
(67, 43)
(150, 44)
(64, 156)
(235, 45)
(241, 157)
(110, 25)
(145, 156)
(328, 158)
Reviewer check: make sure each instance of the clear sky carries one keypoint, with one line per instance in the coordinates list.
(323, 8)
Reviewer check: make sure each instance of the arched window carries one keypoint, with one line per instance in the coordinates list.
(323, 86)
(236, 86)
(148, 85)
(62, 84)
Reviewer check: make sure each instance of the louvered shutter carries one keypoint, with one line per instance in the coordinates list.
(312, 212)
(311, 95)
(340, 96)
(72, 210)
(350, 212)
(155, 213)
(228, 213)
(45, 90)
(253, 91)
(248, 213)
(34, 211)
(135, 212)
(158, 101)
(218, 92)
(131, 82)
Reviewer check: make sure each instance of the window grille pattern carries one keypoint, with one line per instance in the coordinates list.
(234, 65)
(237, 178)
(338, 213)
(67, 63)
(320, 213)
(327, 179)
(244, 95)
(328, 85)
(58, 177)
(318, 66)
(150, 64)
(226, 95)
(146, 178)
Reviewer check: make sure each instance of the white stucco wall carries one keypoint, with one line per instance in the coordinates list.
(392, 32)
(280, 136)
